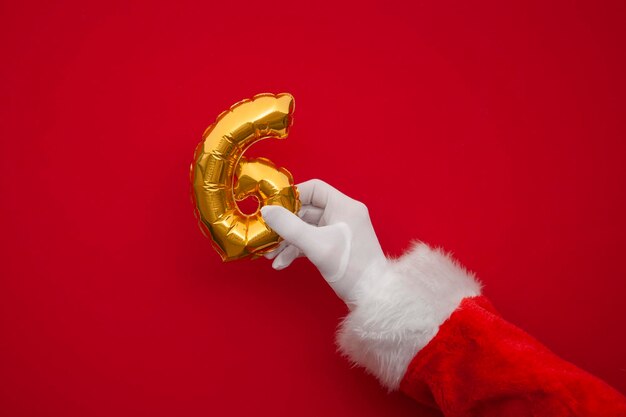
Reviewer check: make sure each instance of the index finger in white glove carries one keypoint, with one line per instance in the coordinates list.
(286, 257)
(316, 192)
(290, 227)
(311, 214)
(276, 251)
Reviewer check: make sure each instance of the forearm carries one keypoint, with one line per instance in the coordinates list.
(424, 328)
(479, 364)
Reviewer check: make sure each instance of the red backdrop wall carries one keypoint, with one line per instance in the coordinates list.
(495, 130)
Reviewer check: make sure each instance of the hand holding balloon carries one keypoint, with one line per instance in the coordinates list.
(333, 230)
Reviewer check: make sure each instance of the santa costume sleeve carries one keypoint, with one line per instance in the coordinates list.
(423, 327)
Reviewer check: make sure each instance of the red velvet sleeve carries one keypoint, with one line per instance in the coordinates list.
(480, 365)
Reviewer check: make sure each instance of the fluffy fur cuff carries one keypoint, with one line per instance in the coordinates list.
(398, 310)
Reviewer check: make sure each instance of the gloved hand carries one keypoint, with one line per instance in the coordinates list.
(334, 231)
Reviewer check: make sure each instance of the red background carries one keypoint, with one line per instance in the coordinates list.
(495, 130)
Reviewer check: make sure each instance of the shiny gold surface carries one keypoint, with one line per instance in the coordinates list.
(220, 176)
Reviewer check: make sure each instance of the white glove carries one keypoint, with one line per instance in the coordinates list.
(334, 231)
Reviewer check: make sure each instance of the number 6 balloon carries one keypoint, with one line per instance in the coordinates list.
(221, 176)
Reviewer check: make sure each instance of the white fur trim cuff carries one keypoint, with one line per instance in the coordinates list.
(398, 311)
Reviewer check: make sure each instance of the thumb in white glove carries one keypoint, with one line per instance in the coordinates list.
(333, 230)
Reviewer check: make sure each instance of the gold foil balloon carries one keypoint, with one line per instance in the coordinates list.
(221, 176)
